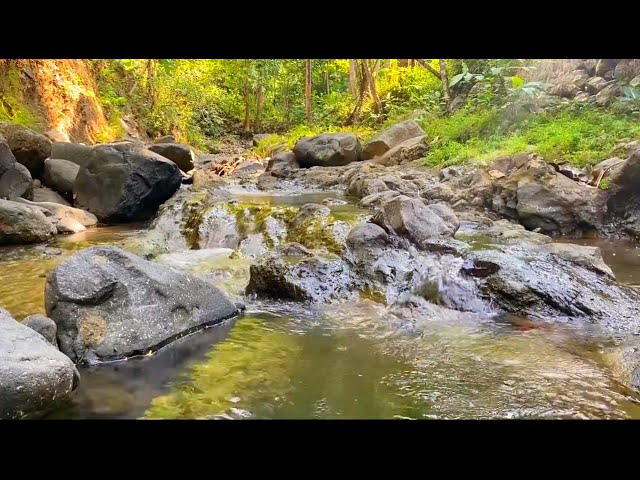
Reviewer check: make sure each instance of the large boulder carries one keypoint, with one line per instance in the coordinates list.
(181, 155)
(23, 224)
(292, 272)
(123, 182)
(328, 150)
(16, 182)
(34, 376)
(420, 223)
(7, 159)
(60, 175)
(165, 139)
(77, 153)
(66, 219)
(110, 304)
(405, 152)
(391, 137)
(29, 148)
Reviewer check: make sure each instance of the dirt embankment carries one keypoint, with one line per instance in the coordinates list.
(53, 95)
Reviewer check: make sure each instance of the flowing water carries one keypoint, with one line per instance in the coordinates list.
(346, 360)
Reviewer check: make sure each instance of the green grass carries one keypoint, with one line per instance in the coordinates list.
(581, 136)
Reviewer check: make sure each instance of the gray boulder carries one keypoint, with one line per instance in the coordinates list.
(181, 155)
(110, 304)
(123, 182)
(77, 153)
(391, 137)
(34, 376)
(44, 194)
(248, 169)
(420, 223)
(7, 159)
(328, 150)
(66, 219)
(16, 182)
(21, 224)
(44, 326)
(283, 164)
(60, 175)
(165, 139)
(29, 148)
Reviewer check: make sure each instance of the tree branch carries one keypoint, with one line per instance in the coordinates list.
(429, 67)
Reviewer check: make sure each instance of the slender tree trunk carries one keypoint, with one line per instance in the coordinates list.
(445, 81)
(355, 114)
(307, 90)
(403, 62)
(372, 86)
(259, 102)
(353, 78)
(412, 63)
(247, 109)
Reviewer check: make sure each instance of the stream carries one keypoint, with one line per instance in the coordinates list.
(343, 360)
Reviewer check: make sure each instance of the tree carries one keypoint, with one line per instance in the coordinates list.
(442, 76)
(366, 70)
(307, 90)
(353, 78)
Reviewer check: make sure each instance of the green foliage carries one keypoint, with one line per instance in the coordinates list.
(12, 106)
(605, 183)
(581, 135)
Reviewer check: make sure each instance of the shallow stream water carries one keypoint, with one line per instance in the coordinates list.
(346, 360)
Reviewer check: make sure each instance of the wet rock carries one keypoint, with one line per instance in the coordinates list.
(392, 137)
(34, 376)
(123, 182)
(59, 175)
(334, 201)
(77, 153)
(20, 224)
(532, 281)
(66, 219)
(16, 182)
(588, 257)
(44, 326)
(44, 194)
(328, 150)
(509, 233)
(29, 148)
(367, 235)
(110, 304)
(181, 155)
(412, 219)
(294, 273)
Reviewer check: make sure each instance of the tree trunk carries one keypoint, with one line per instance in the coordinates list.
(355, 114)
(445, 81)
(403, 62)
(353, 78)
(247, 110)
(372, 86)
(259, 103)
(326, 80)
(307, 91)
(412, 63)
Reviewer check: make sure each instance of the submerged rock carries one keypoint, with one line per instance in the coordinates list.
(34, 376)
(110, 304)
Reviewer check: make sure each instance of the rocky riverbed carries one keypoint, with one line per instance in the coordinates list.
(339, 280)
